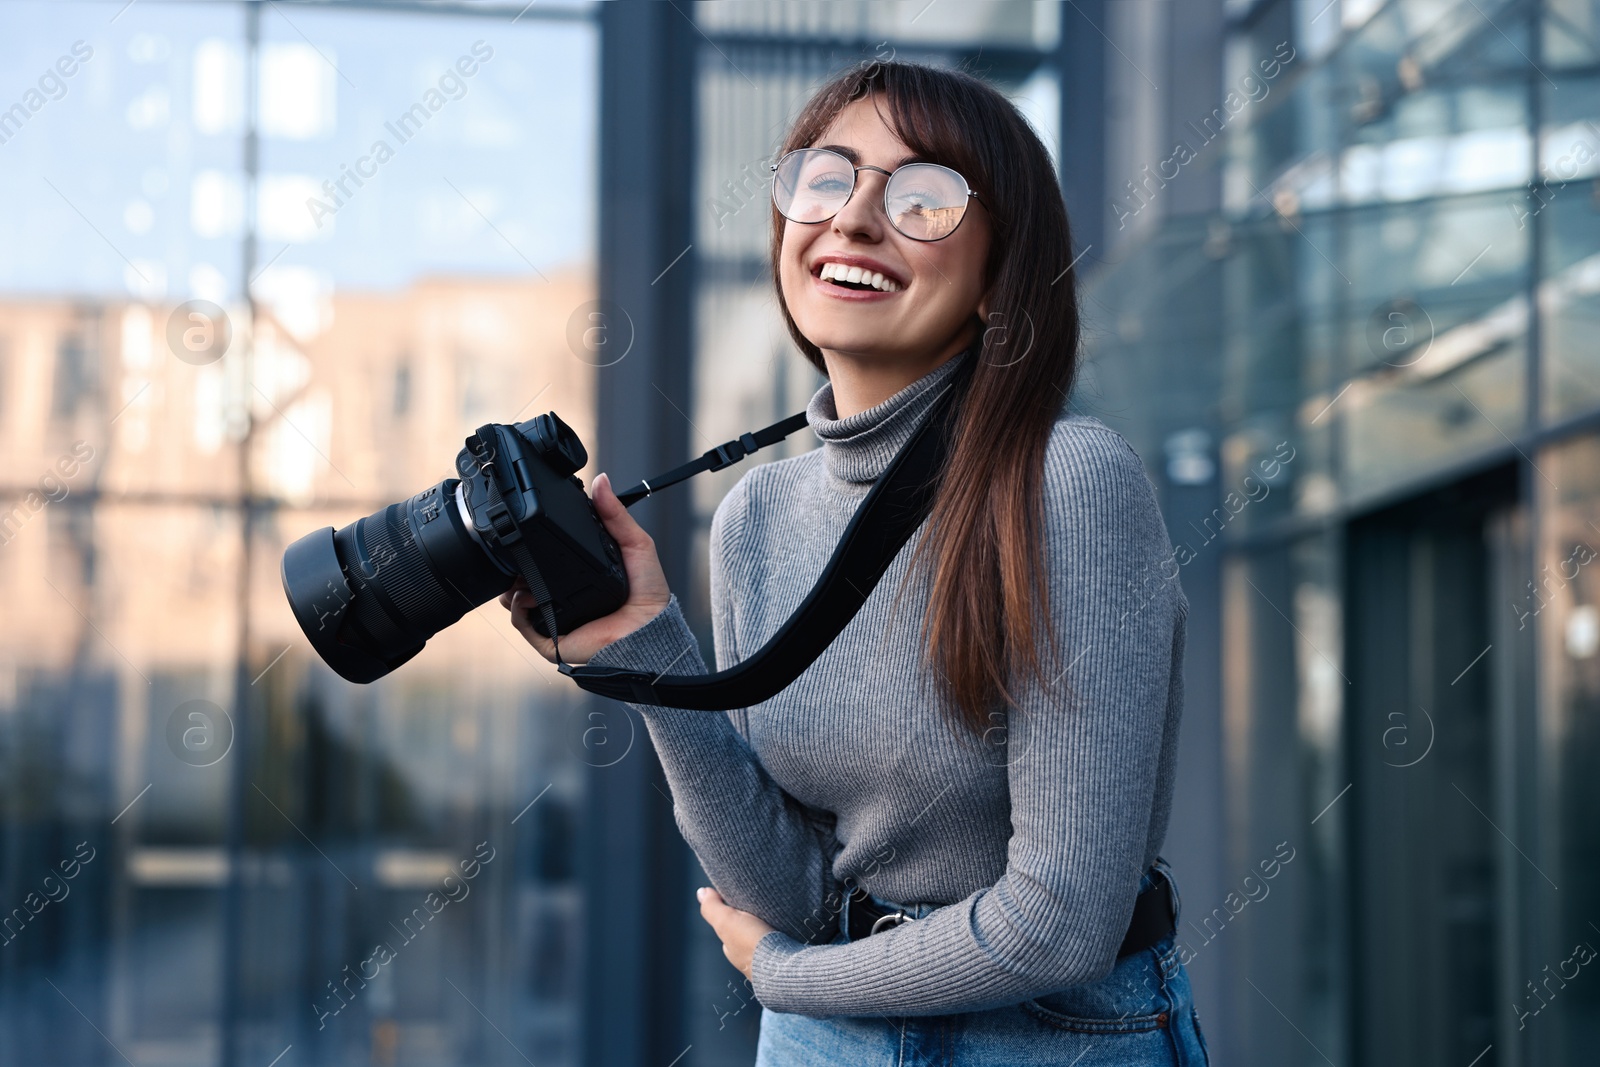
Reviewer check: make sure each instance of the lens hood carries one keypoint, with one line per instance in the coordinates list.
(320, 595)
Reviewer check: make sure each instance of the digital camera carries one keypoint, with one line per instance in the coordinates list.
(369, 595)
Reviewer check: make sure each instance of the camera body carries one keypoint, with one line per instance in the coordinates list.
(520, 489)
(368, 596)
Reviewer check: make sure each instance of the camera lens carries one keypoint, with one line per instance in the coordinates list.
(369, 596)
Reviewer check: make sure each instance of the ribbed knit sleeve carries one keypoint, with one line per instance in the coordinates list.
(1084, 758)
(763, 850)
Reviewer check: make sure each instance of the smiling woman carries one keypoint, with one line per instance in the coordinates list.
(944, 838)
(897, 220)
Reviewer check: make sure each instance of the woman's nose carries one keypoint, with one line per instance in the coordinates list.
(862, 215)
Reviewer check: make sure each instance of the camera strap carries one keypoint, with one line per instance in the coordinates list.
(724, 455)
(897, 504)
(512, 540)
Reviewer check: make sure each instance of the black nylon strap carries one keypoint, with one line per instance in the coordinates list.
(725, 454)
(543, 602)
(893, 509)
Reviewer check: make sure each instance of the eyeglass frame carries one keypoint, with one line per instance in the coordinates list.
(855, 183)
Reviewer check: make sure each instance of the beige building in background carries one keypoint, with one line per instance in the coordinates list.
(369, 410)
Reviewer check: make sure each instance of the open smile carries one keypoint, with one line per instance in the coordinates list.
(863, 280)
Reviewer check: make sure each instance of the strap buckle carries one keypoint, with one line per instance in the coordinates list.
(725, 455)
(731, 452)
(893, 918)
(503, 524)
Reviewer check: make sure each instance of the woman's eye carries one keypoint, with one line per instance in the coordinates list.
(829, 185)
(917, 197)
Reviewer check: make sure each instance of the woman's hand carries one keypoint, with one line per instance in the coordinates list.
(738, 930)
(647, 587)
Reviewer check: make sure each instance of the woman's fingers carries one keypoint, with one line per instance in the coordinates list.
(505, 598)
(717, 914)
(713, 909)
(739, 931)
(621, 524)
(647, 582)
(519, 602)
(648, 593)
(522, 622)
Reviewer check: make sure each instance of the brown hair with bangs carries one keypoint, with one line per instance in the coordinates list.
(984, 533)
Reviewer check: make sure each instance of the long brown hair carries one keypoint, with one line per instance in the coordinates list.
(985, 531)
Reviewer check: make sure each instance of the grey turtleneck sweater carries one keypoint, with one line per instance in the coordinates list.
(1032, 837)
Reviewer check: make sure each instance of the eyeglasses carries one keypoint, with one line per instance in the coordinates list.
(923, 201)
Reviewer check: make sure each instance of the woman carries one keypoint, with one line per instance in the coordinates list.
(940, 844)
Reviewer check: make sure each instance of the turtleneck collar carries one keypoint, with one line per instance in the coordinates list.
(858, 448)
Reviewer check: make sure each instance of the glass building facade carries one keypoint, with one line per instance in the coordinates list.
(1364, 377)
(268, 275)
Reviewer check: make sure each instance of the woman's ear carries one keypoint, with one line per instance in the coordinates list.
(983, 307)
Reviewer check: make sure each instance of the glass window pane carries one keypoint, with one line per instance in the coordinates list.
(1436, 336)
(1283, 689)
(201, 361)
(1564, 608)
(1568, 209)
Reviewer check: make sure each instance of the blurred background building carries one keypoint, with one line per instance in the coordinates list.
(268, 264)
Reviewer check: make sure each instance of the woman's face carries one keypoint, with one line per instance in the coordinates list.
(940, 283)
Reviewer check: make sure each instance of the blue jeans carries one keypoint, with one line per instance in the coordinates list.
(1140, 1015)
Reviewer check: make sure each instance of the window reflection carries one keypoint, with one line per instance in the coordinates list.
(164, 731)
(1569, 719)
(1405, 286)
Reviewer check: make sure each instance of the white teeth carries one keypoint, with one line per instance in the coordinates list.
(858, 276)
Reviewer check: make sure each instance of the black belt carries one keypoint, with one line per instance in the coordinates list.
(1152, 916)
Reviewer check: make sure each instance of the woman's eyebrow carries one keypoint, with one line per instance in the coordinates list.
(854, 157)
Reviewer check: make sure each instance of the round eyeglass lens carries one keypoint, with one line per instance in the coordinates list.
(925, 201)
(812, 184)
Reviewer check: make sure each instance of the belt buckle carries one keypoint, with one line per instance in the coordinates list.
(896, 918)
